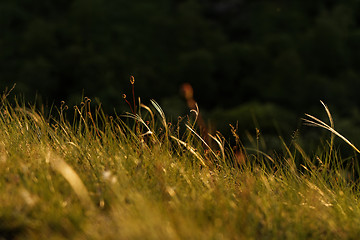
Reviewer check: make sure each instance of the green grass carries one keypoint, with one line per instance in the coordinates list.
(99, 178)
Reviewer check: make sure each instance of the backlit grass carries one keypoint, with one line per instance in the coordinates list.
(98, 177)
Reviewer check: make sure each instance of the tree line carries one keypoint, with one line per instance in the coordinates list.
(288, 53)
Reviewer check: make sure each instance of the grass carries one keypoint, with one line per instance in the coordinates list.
(140, 177)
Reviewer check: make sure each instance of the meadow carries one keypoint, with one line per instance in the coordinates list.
(139, 176)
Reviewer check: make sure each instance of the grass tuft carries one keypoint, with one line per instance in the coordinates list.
(106, 177)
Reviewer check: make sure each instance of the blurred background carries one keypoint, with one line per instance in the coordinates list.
(252, 63)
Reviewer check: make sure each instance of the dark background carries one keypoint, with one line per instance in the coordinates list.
(261, 63)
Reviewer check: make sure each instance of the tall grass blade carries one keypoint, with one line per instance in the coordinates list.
(191, 149)
(201, 139)
(140, 120)
(162, 115)
(315, 122)
(331, 125)
(59, 165)
(221, 145)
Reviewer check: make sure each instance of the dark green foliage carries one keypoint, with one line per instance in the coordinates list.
(290, 53)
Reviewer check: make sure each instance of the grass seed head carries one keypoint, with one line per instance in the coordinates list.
(132, 80)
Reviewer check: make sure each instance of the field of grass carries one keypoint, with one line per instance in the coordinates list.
(140, 177)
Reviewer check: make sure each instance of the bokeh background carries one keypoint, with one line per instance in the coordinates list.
(258, 63)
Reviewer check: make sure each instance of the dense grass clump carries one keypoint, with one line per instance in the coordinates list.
(98, 177)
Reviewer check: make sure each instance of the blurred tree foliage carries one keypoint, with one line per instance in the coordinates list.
(289, 53)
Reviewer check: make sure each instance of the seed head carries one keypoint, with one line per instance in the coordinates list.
(132, 80)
